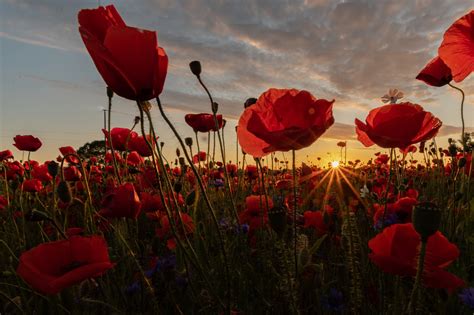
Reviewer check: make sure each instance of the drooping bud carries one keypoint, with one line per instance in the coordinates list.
(195, 67)
(426, 219)
(249, 102)
(64, 192)
(188, 141)
(136, 120)
(110, 93)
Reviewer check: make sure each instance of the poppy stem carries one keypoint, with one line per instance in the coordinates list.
(414, 299)
(295, 205)
(207, 201)
(463, 138)
(387, 189)
(109, 118)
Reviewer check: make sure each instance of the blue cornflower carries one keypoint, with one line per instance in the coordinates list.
(333, 301)
(133, 288)
(390, 218)
(467, 297)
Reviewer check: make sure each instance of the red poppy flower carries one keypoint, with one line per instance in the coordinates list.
(435, 73)
(315, 220)
(27, 143)
(139, 144)
(52, 267)
(165, 229)
(457, 48)
(200, 156)
(41, 172)
(122, 202)
(282, 120)
(32, 185)
(120, 137)
(397, 126)
(3, 203)
(203, 122)
(396, 249)
(69, 150)
(134, 158)
(256, 212)
(5, 155)
(72, 174)
(128, 59)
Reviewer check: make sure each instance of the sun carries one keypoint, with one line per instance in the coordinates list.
(335, 164)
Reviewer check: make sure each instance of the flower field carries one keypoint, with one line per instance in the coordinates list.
(123, 228)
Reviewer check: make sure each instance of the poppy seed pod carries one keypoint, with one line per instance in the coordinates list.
(195, 67)
(136, 120)
(426, 219)
(64, 192)
(188, 141)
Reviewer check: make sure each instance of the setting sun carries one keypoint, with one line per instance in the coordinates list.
(335, 164)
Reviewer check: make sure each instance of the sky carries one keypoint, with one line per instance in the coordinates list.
(350, 51)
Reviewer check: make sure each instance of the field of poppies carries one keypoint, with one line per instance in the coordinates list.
(124, 229)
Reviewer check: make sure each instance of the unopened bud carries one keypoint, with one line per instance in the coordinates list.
(53, 168)
(136, 120)
(195, 67)
(249, 102)
(110, 93)
(182, 161)
(215, 107)
(188, 141)
(426, 219)
(64, 192)
(462, 162)
(162, 144)
(178, 153)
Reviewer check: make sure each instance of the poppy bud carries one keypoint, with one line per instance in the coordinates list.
(190, 198)
(195, 67)
(188, 141)
(110, 93)
(249, 102)
(277, 217)
(177, 187)
(36, 216)
(162, 144)
(53, 168)
(215, 107)
(426, 219)
(64, 192)
(182, 161)
(453, 150)
(462, 162)
(136, 120)
(178, 153)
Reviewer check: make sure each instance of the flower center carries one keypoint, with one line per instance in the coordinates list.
(311, 111)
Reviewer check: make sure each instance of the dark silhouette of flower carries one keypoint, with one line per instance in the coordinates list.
(27, 143)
